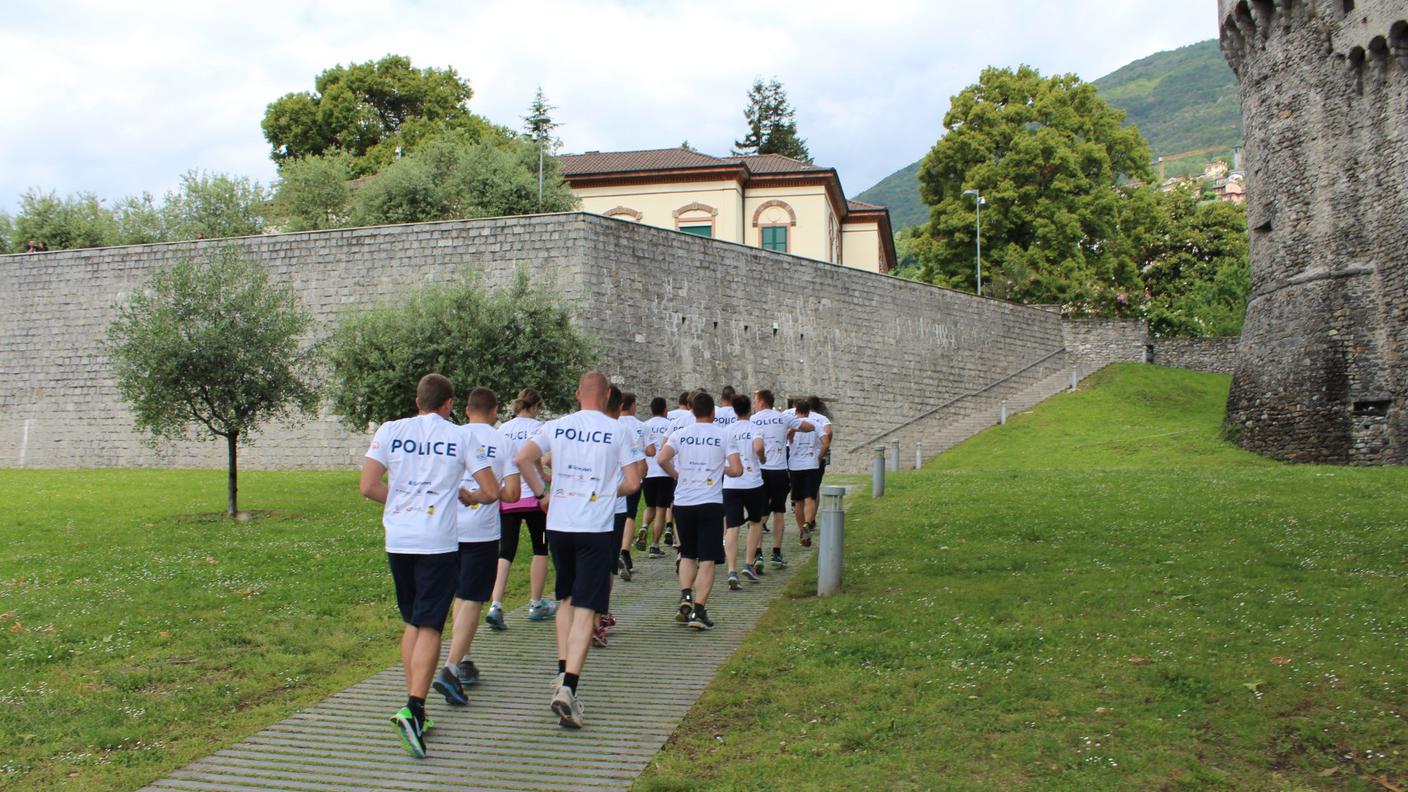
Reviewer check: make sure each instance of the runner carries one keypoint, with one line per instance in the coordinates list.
(636, 431)
(479, 530)
(698, 457)
(590, 469)
(636, 455)
(804, 468)
(680, 417)
(659, 488)
(423, 460)
(512, 516)
(821, 418)
(724, 413)
(773, 426)
(745, 498)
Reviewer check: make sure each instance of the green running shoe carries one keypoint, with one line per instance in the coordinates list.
(412, 735)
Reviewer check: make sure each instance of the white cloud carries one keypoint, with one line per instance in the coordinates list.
(118, 99)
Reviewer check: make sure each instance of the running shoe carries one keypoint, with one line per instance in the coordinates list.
(599, 635)
(623, 569)
(733, 584)
(749, 573)
(412, 734)
(656, 552)
(699, 619)
(682, 613)
(495, 617)
(468, 672)
(777, 562)
(805, 537)
(557, 681)
(640, 538)
(608, 620)
(758, 562)
(567, 708)
(767, 530)
(448, 685)
(538, 610)
(669, 536)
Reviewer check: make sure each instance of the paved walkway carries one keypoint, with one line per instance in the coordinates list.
(634, 692)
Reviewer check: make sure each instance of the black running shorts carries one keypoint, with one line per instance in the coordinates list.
(509, 523)
(744, 505)
(582, 563)
(776, 485)
(479, 565)
(618, 532)
(805, 484)
(633, 505)
(425, 586)
(701, 532)
(659, 492)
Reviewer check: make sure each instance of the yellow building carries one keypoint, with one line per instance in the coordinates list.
(766, 200)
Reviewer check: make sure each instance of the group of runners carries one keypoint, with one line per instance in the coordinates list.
(456, 497)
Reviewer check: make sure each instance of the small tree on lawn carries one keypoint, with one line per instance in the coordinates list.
(518, 336)
(211, 347)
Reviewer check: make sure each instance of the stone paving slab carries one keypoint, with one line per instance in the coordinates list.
(635, 692)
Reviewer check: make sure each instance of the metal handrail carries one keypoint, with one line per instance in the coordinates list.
(959, 398)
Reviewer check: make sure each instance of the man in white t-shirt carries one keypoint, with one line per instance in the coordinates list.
(591, 467)
(804, 449)
(773, 426)
(659, 488)
(424, 461)
(723, 410)
(479, 530)
(745, 497)
(699, 457)
(636, 431)
(679, 419)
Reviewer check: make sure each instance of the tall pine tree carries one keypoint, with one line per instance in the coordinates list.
(772, 126)
(539, 124)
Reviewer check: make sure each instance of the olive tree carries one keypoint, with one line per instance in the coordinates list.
(211, 347)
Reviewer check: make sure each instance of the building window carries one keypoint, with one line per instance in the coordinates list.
(774, 238)
(698, 230)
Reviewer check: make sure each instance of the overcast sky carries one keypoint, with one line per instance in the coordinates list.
(118, 98)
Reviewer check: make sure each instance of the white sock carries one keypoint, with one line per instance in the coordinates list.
(496, 604)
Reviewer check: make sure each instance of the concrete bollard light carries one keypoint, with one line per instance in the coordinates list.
(1002, 412)
(877, 473)
(895, 457)
(831, 521)
(918, 455)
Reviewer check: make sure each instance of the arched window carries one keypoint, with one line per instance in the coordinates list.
(696, 218)
(624, 213)
(774, 221)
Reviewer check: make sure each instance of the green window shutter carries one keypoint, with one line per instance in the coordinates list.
(775, 238)
(698, 230)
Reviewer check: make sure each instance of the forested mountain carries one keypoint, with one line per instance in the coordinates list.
(1183, 100)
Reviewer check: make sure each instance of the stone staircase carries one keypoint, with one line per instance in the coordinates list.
(949, 424)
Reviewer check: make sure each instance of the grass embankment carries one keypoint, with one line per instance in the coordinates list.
(1102, 594)
(140, 632)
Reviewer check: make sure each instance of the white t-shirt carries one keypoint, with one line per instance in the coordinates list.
(772, 426)
(821, 422)
(656, 430)
(635, 436)
(741, 434)
(701, 449)
(678, 413)
(516, 430)
(425, 459)
(480, 522)
(724, 415)
(588, 451)
(802, 452)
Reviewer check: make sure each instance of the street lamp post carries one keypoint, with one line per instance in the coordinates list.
(978, 203)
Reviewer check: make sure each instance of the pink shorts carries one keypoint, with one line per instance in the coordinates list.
(529, 503)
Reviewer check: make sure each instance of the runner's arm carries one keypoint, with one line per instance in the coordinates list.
(733, 465)
(760, 450)
(826, 440)
(488, 491)
(527, 459)
(630, 479)
(372, 487)
(666, 460)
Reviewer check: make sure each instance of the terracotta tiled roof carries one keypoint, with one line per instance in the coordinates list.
(594, 162)
(862, 206)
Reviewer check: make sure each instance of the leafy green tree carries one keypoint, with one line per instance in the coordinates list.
(139, 221)
(374, 111)
(1195, 266)
(212, 205)
(510, 338)
(772, 127)
(212, 348)
(313, 192)
(1050, 157)
(78, 221)
(451, 177)
(7, 232)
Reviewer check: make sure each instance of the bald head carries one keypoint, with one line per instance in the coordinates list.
(592, 391)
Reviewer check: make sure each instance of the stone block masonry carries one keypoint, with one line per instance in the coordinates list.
(672, 311)
(1322, 368)
(1215, 355)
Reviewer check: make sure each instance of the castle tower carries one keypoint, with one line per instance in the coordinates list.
(1323, 359)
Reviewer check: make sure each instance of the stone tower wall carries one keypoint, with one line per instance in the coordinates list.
(1320, 373)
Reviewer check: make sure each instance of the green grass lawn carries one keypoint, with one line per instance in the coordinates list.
(1102, 594)
(140, 631)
